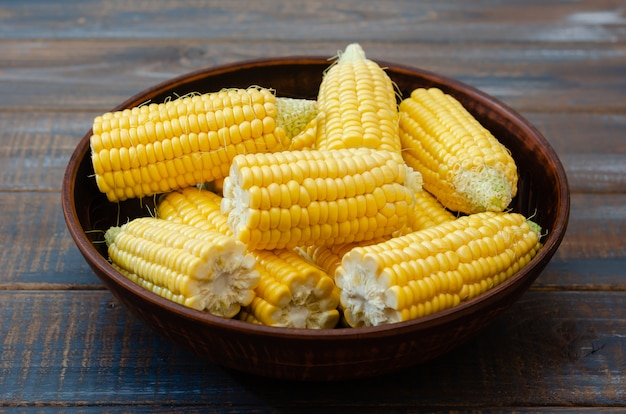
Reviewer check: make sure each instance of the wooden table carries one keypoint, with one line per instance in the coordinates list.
(67, 344)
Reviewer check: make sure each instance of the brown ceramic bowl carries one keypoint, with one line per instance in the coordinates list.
(335, 354)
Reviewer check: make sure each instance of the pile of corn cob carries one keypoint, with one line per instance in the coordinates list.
(347, 210)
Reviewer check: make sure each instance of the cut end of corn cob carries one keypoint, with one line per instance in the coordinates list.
(536, 228)
(197, 268)
(484, 189)
(363, 289)
(293, 293)
(427, 271)
(329, 258)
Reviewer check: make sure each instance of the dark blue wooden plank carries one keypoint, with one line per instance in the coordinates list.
(589, 21)
(37, 250)
(82, 349)
(529, 77)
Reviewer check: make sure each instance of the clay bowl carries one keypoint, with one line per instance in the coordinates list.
(336, 354)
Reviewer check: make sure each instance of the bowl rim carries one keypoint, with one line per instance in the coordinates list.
(442, 317)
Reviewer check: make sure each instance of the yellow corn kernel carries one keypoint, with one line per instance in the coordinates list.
(190, 140)
(305, 139)
(291, 292)
(327, 197)
(329, 257)
(248, 317)
(428, 212)
(430, 270)
(295, 115)
(198, 268)
(463, 165)
(357, 105)
(194, 206)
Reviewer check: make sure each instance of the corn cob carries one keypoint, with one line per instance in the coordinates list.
(428, 212)
(295, 198)
(305, 138)
(247, 317)
(357, 105)
(434, 269)
(196, 207)
(295, 115)
(157, 148)
(463, 165)
(291, 292)
(201, 269)
(329, 258)
(214, 186)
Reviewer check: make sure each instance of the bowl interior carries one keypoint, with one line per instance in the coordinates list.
(301, 78)
(543, 194)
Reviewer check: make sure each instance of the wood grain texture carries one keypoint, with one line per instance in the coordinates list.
(67, 345)
(72, 74)
(37, 250)
(482, 21)
(89, 342)
(37, 146)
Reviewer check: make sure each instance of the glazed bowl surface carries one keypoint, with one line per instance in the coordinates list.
(334, 354)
